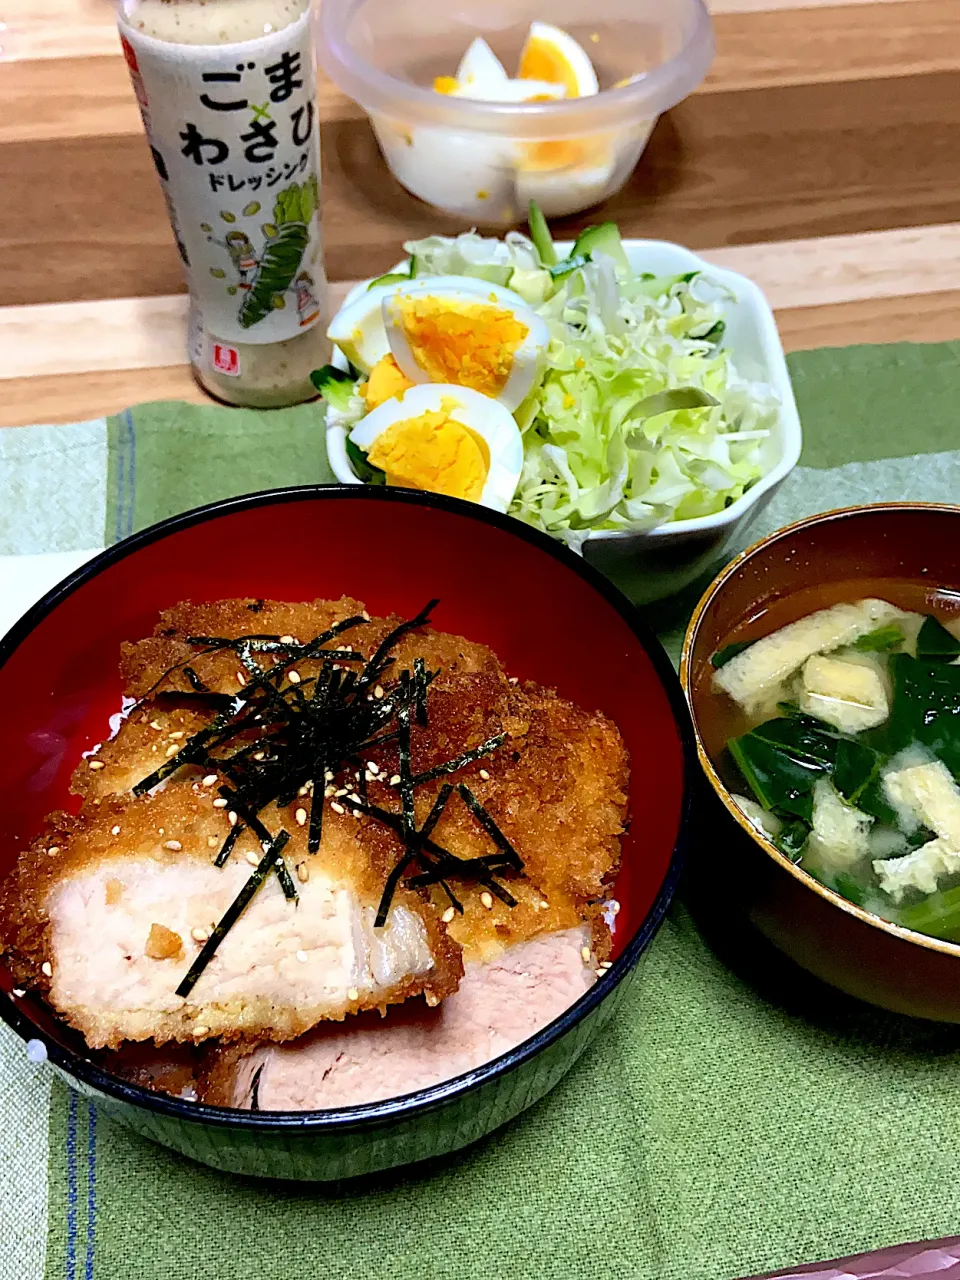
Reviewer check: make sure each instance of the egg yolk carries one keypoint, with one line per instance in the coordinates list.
(473, 345)
(433, 452)
(557, 153)
(385, 381)
(446, 84)
(541, 60)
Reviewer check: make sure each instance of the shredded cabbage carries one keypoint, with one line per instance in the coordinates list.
(641, 417)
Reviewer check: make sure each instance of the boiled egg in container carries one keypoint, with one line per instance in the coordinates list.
(562, 174)
(490, 341)
(554, 56)
(358, 327)
(445, 439)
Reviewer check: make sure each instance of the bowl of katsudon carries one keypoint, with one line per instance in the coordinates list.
(336, 824)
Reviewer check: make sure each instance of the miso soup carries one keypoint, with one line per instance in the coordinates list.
(838, 735)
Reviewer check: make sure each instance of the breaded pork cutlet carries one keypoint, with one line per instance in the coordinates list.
(548, 782)
(109, 924)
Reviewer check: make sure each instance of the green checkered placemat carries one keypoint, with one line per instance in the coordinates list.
(728, 1123)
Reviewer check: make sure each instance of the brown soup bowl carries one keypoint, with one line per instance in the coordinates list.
(906, 552)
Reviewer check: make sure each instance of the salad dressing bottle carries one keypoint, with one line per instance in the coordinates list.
(227, 93)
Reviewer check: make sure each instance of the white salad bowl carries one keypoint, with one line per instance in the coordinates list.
(652, 564)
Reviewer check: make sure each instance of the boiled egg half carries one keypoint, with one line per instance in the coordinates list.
(358, 328)
(488, 341)
(552, 55)
(445, 439)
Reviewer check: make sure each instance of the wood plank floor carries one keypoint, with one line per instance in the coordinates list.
(821, 156)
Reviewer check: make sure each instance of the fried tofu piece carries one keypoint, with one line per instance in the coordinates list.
(108, 924)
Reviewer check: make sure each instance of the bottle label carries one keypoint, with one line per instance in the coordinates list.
(233, 133)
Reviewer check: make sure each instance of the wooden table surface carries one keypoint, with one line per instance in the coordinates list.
(821, 157)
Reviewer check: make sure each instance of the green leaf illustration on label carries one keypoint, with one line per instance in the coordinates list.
(281, 257)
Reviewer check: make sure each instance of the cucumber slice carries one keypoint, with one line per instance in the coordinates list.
(392, 277)
(334, 385)
(604, 238)
(540, 235)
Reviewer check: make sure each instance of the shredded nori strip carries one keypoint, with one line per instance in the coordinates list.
(255, 1088)
(271, 856)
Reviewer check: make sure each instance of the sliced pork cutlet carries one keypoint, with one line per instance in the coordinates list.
(108, 911)
(500, 1003)
(164, 671)
(167, 663)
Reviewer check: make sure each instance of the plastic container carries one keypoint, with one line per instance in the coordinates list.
(485, 161)
(227, 89)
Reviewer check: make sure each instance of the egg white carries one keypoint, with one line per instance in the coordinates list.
(488, 418)
(480, 67)
(528, 358)
(358, 328)
(572, 53)
(566, 190)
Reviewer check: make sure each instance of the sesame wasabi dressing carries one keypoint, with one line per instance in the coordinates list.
(227, 93)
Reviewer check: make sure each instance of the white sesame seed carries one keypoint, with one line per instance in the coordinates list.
(302, 957)
(98, 764)
(18, 993)
(53, 850)
(287, 640)
(544, 905)
(303, 872)
(536, 906)
(241, 679)
(356, 813)
(353, 994)
(114, 831)
(301, 816)
(431, 999)
(47, 968)
(212, 842)
(448, 915)
(378, 691)
(328, 775)
(252, 858)
(177, 735)
(487, 899)
(513, 680)
(484, 775)
(395, 780)
(373, 766)
(259, 755)
(354, 798)
(155, 724)
(219, 803)
(210, 779)
(585, 954)
(200, 1030)
(232, 815)
(303, 790)
(329, 791)
(365, 616)
(173, 845)
(342, 791)
(171, 750)
(607, 964)
(293, 677)
(337, 808)
(199, 935)
(159, 831)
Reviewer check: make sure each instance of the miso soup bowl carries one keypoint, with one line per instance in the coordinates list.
(540, 608)
(838, 942)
